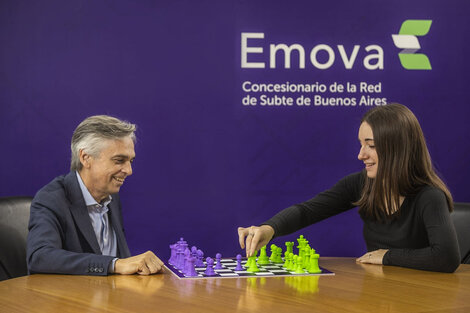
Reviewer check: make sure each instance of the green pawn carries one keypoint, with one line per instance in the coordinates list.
(247, 264)
(289, 248)
(306, 264)
(278, 253)
(293, 266)
(290, 266)
(252, 267)
(298, 267)
(251, 259)
(273, 254)
(263, 258)
(314, 268)
(286, 260)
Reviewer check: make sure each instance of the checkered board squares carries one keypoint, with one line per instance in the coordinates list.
(228, 271)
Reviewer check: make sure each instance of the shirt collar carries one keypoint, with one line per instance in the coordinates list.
(89, 200)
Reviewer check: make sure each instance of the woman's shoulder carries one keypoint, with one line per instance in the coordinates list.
(355, 178)
(430, 196)
(352, 183)
(430, 192)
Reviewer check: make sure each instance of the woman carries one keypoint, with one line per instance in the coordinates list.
(405, 206)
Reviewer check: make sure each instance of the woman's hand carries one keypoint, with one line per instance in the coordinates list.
(255, 236)
(373, 257)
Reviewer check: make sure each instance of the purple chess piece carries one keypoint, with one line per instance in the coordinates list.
(218, 257)
(173, 253)
(210, 267)
(179, 256)
(187, 255)
(199, 258)
(194, 251)
(176, 260)
(190, 270)
(239, 263)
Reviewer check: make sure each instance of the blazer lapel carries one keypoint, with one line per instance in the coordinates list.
(116, 222)
(80, 212)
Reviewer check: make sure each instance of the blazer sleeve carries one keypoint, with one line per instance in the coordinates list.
(46, 251)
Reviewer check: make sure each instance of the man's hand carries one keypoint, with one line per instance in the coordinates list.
(143, 264)
(373, 257)
(256, 237)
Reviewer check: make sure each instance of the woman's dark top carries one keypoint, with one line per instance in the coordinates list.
(421, 236)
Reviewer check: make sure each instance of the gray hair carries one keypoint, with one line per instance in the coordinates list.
(91, 136)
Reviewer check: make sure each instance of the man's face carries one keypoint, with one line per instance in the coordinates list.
(105, 174)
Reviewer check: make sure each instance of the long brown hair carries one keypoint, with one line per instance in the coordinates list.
(404, 163)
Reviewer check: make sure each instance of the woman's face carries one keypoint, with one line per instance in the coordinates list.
(368, 154)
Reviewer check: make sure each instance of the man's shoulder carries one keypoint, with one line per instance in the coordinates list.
(58, 190)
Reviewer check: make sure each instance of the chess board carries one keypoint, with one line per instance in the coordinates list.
(228, 271)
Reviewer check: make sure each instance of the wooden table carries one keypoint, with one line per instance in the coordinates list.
(354, 288)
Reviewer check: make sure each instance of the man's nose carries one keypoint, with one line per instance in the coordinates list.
(127, 168)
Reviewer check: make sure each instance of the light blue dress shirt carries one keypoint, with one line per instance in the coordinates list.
(104, 232)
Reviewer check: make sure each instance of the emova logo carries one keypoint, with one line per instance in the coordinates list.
(407, 40)
(323, 56)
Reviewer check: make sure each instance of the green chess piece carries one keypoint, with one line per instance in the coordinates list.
(298, 267)
(252, 267)
(314, 268)
(291, 262)
(294, 262)
(289, 248)
(302, 245)
(251, 259)
(288, 263)
(273, 254)
(306, 259)
(278, 253)
(286, 260)
(247, 264)
(263, 258)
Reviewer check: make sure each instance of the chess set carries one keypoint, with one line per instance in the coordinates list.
(188, 263)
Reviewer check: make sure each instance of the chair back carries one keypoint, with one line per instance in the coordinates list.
(14, 219)
(461, 219)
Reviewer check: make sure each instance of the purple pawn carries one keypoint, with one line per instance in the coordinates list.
(218, 266)
(173, 253)
(239, 263)
(210, 267)
(194, 251)
(187, 255)
(199, 259)
(190, 270)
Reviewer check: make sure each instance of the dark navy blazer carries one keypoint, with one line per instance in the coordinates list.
(61, 238)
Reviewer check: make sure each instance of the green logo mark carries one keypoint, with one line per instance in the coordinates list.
(407, 40)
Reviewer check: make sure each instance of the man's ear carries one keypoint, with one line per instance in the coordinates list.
(85, 159)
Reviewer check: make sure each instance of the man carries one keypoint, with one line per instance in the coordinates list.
(76, 223)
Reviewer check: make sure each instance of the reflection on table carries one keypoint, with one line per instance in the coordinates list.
(353, 288)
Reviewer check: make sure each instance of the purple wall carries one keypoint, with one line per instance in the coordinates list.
(205, 162)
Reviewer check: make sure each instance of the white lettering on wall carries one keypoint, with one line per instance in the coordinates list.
(374, 60)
